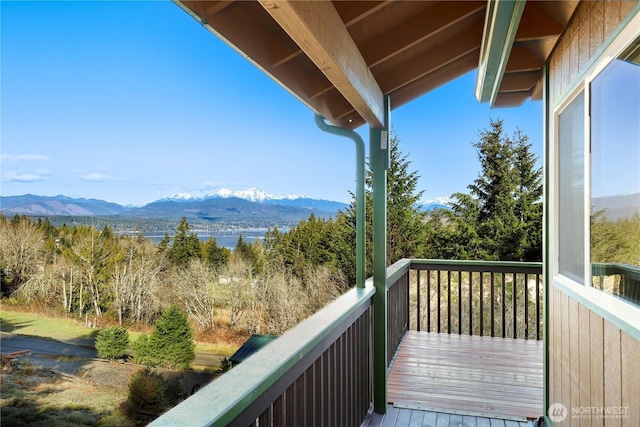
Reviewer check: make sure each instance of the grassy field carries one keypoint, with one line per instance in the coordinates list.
(66, 329)
(34, 397)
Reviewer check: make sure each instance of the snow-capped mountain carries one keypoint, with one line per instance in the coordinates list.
(252, 194)
(437, 203)
(179, 197)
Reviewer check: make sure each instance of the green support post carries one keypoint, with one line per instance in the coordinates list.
(360, 194)
(379, 163)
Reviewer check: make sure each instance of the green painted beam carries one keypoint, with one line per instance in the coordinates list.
(546, 272)
(500, 26)
(379, 163)
(360, 193)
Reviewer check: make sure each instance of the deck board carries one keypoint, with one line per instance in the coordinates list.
(492, 378)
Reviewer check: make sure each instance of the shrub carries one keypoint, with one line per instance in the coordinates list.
(111, 343)
(142, 351)
(150, 394)
(171, 343)
(146, 394)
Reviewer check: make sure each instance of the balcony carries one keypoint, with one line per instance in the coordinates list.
(463, 345)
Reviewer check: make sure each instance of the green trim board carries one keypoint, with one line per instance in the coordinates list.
(546, 272)
(379, 162)
(608, 315)
(500, 27)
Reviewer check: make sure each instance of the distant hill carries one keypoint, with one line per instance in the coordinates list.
(32, 205)
(226, 209)
(253, 207)
(617, 207)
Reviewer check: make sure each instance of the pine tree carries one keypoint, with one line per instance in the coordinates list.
(185, 245)
(528, 194)
(215, 255)
(501, 217)
(405, 221)
(249, 254)
(171, 343)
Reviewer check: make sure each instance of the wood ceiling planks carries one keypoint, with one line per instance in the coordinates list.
(408, 47)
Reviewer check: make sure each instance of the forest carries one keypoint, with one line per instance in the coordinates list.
(92, 273)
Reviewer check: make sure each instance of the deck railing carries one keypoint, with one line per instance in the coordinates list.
(318, 373)
(622, 280)
(501, 299)
(321, 371)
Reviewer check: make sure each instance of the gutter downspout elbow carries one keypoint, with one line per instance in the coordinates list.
(360, 193)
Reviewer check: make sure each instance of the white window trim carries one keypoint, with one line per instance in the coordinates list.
(623, 314)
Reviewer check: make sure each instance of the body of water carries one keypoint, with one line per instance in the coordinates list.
(224, 238)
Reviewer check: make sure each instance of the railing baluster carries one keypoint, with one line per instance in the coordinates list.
(526, 306)
(448, 302)
(515, 307)
(470, 303)
(538, 307)
(503, 304)
(492, 305)
(439, 301)
(418, 297)
(278, 411)
(481, 303)
(428, 300)
(459, 302)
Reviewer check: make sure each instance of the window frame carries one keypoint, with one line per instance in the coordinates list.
(624, 314)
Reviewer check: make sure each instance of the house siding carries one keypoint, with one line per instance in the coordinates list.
(592, 363)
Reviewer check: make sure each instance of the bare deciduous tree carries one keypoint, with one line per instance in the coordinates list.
(21, 251)
(196, 287)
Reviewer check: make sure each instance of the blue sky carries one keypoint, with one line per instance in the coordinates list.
(133, 101)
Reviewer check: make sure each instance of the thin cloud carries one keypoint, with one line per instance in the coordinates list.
(23, 157)
(97, 177)
(13, 176)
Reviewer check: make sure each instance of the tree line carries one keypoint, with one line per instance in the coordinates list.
(268, 286)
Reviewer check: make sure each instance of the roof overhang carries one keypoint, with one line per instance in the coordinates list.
(342, 57)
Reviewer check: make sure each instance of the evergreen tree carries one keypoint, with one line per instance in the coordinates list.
(405, 221)
(215, 255)
(163, 245)
(171, 343)
(528, 194)
(249, 254)
(185, 245)
(501, 217)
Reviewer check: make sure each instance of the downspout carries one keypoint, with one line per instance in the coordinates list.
(360, 194)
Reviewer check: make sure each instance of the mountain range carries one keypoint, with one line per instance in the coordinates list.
(220, 206)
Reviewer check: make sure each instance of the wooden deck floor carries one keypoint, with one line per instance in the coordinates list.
(402, 417)
(468, 375)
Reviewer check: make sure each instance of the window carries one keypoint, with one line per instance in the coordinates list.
(595, 183)
(615, 176)
(571, 190)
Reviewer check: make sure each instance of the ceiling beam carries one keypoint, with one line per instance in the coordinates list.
(501, 25)
(416, 30)
(319, 31)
